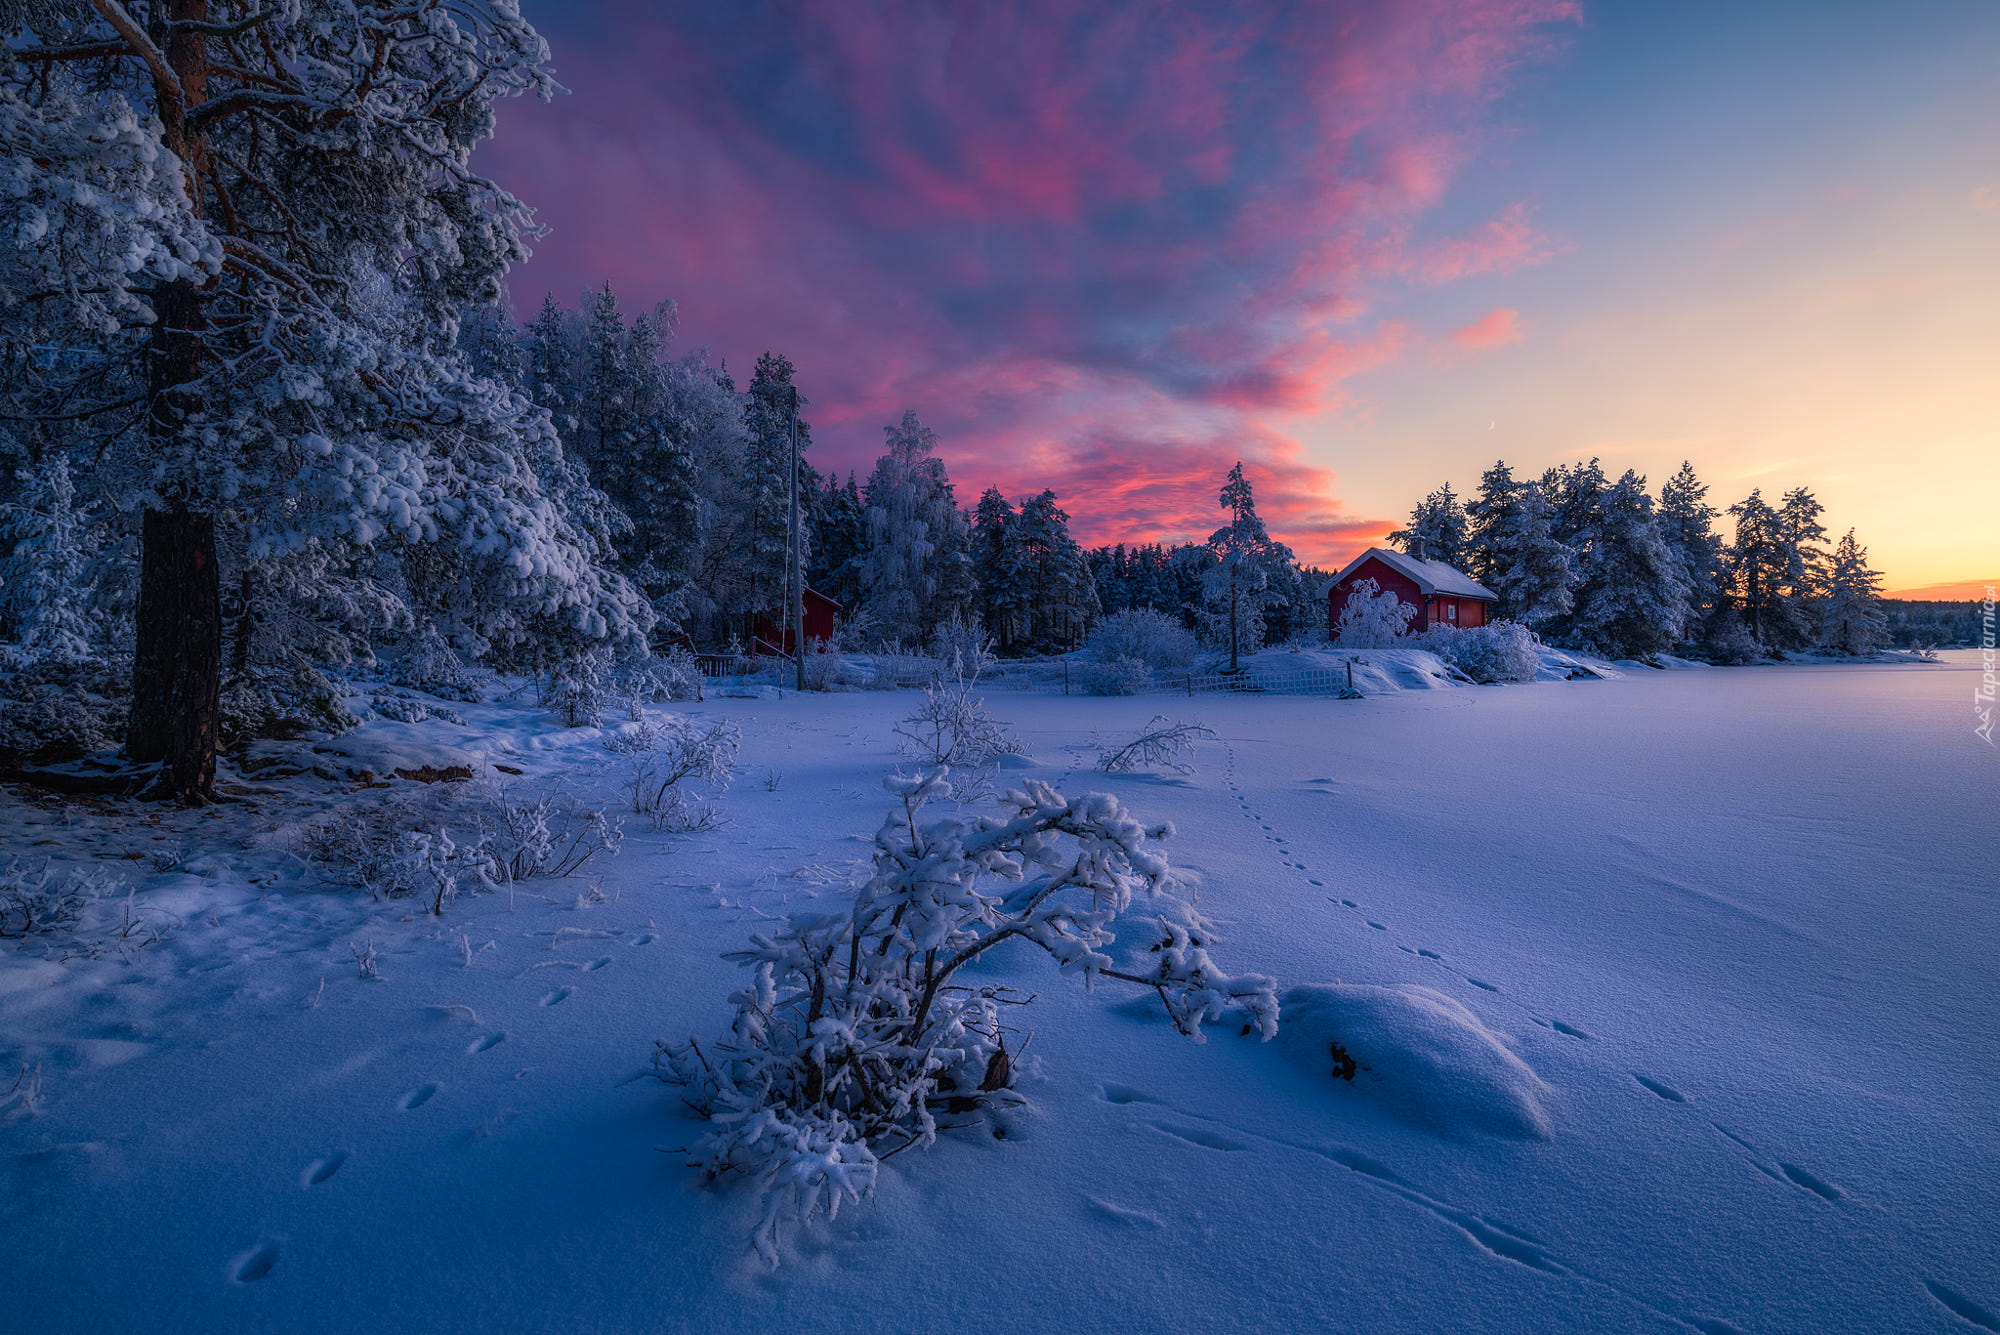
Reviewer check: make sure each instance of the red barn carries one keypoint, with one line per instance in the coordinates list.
(820, 613)
(1443, 595)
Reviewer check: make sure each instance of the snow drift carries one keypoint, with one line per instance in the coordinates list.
(1421, 1055)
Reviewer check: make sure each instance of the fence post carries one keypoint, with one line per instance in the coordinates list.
(1350, 674)
(1190, 683)
(1065, 676)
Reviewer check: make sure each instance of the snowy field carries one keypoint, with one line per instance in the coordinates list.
(1676, 995)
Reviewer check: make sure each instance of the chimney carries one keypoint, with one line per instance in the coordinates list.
(1417, 548)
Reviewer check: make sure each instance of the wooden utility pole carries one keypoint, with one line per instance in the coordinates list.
(797, 578)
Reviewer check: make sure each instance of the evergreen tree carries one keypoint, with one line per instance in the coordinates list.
(42, 563)
(1061, 600)
(1004, 597)
(1631, 599)
(1805, 568)
(1687, 525)
(1244, 559)
(275, 272)
(839, 523)
(1853, 622)
(913, 570)
(1437, 527)
(1574, 493)
(1757, 567)
(1512, 550)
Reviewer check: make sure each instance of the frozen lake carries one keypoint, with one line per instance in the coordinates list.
(1741, 925)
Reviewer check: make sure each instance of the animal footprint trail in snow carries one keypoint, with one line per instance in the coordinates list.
(255, 1264)
(417, 1097)
(320, 1170)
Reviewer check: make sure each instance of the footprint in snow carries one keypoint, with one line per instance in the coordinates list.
(1430, 954)
(1569, 1029)
(1119, 1214)
(1963, 1307)
(1817, 1185)
(597, 964)
(1124, 1094)
(319, 1170)
(255, 1264)
(557, 997)
(644, 939)
(1477, 983)
(1667, 1092)
(486, 1044)
(417, 1097)
(1194, 1135)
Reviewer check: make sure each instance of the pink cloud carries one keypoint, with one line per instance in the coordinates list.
(1073, 237)
(1496, 329)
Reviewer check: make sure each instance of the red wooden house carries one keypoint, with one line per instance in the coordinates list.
(819, 618)
(1443, 595)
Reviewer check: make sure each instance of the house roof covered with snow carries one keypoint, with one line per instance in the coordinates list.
(1433, 577)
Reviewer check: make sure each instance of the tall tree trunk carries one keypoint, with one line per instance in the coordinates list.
(177, 654)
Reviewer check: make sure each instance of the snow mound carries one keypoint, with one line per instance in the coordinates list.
(1423, 1056)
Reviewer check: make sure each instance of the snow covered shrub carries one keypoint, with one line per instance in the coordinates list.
(403, 846)
(1727, 640)
(663, 756)
(1162, 743)
(1152, 637)
(1124, 675)
(54, 709)
(676, 674)
(854, 1031)
(554, 834)
(1500, 651)
(404, 706)
(579, 687)
(1374, 617)
(432, 666)
(963, 649)
(952, 728)
(39, 902)
(285, 700)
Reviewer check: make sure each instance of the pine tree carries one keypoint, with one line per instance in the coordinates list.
(1061, 600)
(839, 524)
(1004, 596)
(1757, 566)
(267, 237)
(1687, 524)
(1437, 528)
(42, 563)
(1853, 622)
(1243, 558)
(1512, 550)
(1805, 568)
(1631, 599)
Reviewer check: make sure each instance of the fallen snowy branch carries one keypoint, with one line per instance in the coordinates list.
(1160, 743)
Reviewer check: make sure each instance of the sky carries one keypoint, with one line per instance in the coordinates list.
(1364, 248)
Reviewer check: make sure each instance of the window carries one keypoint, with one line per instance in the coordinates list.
(1451, 611)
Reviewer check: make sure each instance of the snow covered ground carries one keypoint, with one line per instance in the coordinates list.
(1675, 994)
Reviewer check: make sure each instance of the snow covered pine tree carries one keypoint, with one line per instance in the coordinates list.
(258, 221)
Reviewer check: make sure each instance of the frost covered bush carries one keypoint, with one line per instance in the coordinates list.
(1152, 637)
(1124, 675)
(434, 667)
(1374, 617)
(1499, 651)
(963, 649)
(951, 727)
(38, 901)
(1160, 743)
(855, 1031)
(284, 700)
(664, 756)
(579, 689)
(54, 709)
(430, 845)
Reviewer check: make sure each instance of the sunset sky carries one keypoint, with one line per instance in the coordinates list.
(1367, 248)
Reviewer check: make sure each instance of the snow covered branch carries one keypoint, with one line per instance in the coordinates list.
(853, 1033)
